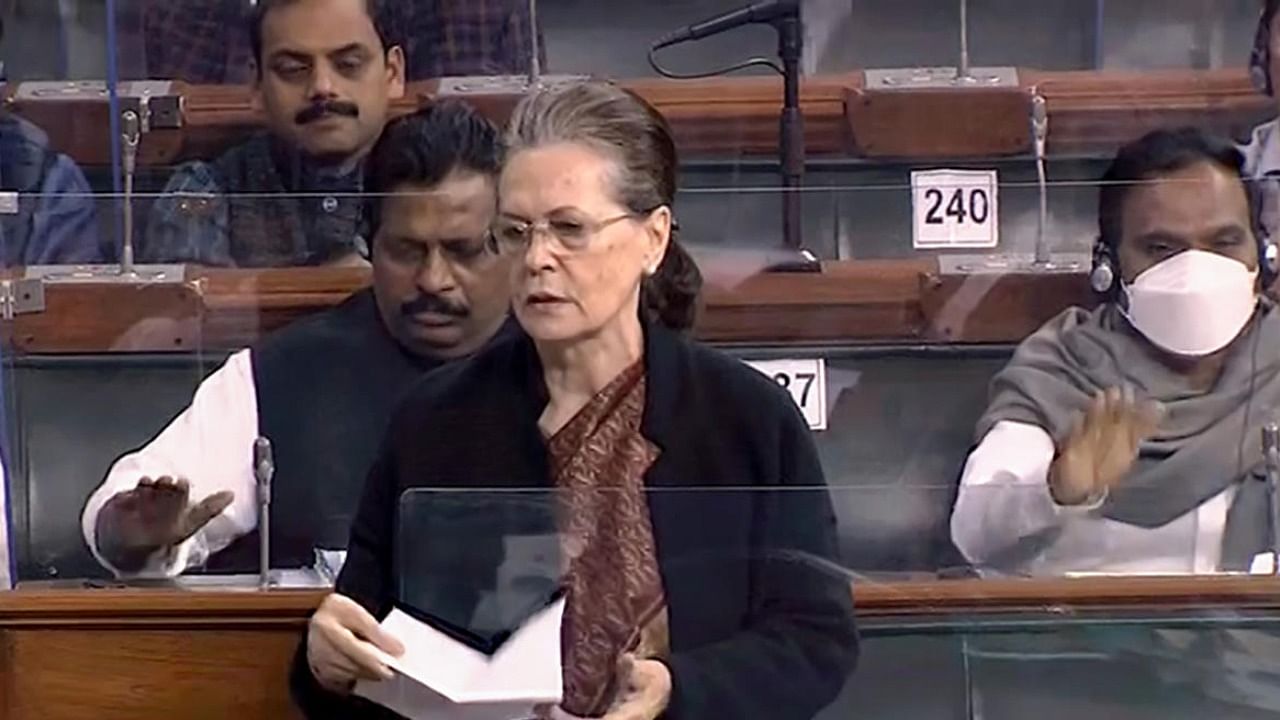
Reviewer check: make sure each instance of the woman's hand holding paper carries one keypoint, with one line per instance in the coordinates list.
(343, 644)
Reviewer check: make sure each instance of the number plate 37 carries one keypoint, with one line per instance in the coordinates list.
(805, 381)
(955, 209)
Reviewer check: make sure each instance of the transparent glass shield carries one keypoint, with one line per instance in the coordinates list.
(487, 560)
(479, 565)
(1059, 35)
(98, 357)
(8, 540)
(475, 564)
(93, 376)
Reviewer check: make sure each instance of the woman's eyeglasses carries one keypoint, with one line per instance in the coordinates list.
(513, 235)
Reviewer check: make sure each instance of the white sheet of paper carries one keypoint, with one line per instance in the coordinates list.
(1263, 564)
(439, 678)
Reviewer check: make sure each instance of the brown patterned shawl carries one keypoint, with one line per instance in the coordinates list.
(616, 603)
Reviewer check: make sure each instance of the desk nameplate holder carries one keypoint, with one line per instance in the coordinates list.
(962, 76)
(940, 78)
(106, 274)
(21, 297)
(515, 85)
(1014, 264)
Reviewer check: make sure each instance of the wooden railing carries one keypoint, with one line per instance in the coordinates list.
(870, 301)
(1089, 113)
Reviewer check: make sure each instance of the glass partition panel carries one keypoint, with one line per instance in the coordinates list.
(935, 266)
(1157, 661)
(8, 546)
(479, 565)
(98, 371)
(1062, 35)
(711, 577)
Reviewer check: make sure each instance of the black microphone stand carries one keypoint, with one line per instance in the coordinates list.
(791, 131)
(784, 16)
(791, 152)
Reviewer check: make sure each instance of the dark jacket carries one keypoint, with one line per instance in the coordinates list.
(326, 388)
(761, 618)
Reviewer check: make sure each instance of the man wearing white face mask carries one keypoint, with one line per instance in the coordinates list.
(1127, 438)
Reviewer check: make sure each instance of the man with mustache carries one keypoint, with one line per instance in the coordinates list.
(325, 74)
(323, 389)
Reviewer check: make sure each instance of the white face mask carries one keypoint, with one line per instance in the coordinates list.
(1194, 304)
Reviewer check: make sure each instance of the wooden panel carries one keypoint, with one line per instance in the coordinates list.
(979, 122)
(1090, 112)
(1096, 112)
(725, 116)
(241, 306)
(126, 654)
(997, 308)
(1153, 594)
(129, 654)
(82, 129)
(74, 674)
(112, 318)
(847, 302)
(213, 310)
(865, 301)
(115, 607)
(288, 610)
(740, 116)
(219, 116)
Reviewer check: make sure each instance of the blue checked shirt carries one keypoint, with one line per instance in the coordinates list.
(47, 210)
(259, 205)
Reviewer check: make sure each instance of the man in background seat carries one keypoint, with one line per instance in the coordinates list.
(1127, 439)
(326, 73)
(47, 212)
(322, 390)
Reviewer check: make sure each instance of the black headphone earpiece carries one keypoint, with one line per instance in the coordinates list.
(1268, 260)
(1105, 276)
(1268, 250)
(1270, 263)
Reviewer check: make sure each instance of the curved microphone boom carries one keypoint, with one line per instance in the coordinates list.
(769, 11)
(784, 16)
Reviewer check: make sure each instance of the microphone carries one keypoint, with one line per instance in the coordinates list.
(1040, 137)
(1040, 125)
(1271, 456)
(762, 12)
(264, 469)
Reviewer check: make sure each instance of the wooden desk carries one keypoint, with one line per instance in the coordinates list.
(126, 654)
(851, 302)
(1066, 596)
(1090, 112)
(117, 654)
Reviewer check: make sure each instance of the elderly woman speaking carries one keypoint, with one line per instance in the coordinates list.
(705, 587)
